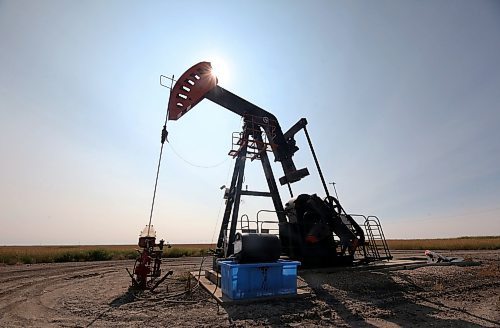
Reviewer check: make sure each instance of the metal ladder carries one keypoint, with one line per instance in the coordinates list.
(376, 245)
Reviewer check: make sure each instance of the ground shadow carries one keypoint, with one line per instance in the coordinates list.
(440, 304)
(272, 313)
(130, 296)
(358, 297)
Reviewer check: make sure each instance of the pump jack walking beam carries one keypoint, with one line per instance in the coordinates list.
(198, 83)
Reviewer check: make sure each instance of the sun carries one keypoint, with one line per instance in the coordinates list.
(220, 70)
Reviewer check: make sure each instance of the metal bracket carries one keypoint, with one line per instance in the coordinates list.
(172, 81)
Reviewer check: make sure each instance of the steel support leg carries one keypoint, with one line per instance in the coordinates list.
(237, 197)
(273, 188)
(229, 203)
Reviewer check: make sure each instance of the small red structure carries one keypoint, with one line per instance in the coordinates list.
(147, 267)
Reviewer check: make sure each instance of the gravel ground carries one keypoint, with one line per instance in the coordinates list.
(96, 294)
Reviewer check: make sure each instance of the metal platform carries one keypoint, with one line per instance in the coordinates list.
(389, 266)
(216, 292)
(207, 278)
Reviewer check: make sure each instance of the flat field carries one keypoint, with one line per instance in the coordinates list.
(97, 294)
(462, 243)
(75, 253)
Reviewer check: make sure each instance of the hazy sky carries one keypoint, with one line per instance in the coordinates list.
(402, 99)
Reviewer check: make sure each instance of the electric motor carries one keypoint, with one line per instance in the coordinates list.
(256, 247)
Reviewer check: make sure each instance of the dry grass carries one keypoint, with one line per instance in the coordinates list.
(462, 243)
(49, 254)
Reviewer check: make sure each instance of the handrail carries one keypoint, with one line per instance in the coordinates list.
(371, 250)
(382, 236)
(270, 229)
(265, 211)
(241, 221)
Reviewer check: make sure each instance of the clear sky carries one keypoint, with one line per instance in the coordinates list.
(402, 99)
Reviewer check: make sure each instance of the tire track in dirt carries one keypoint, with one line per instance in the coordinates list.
(96, 294)
(37, 293)
(20, 297)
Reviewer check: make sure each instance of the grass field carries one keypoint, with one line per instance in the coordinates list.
(462, 243)
(49, 254)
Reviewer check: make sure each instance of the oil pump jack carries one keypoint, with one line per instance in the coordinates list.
(315, 231)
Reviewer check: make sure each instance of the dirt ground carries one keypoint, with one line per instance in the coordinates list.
(96, 294)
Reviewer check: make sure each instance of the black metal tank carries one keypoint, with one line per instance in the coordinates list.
(256, 247)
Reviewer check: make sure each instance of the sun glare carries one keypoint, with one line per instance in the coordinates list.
(220, 70)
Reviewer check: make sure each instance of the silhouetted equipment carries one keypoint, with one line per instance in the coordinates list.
(315, 231)
(256, 247)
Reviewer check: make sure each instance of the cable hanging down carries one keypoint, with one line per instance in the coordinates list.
(193, 164)
(164, 135)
